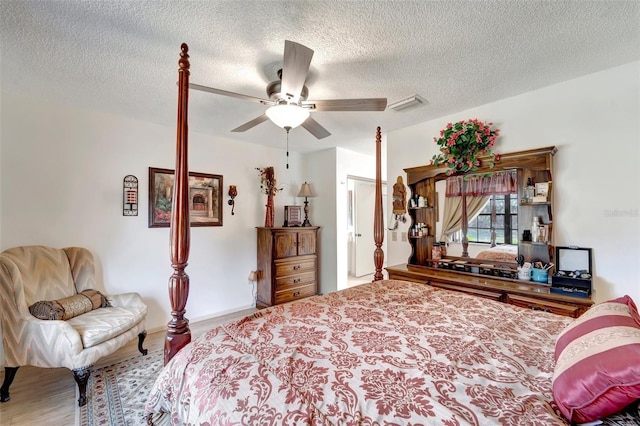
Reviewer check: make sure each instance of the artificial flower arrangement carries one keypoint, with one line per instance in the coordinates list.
(462, 143)
(268, 183)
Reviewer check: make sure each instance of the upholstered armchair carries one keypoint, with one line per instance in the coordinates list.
(77, 333)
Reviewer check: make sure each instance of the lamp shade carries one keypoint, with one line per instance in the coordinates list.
(305, 191)
(285, 115)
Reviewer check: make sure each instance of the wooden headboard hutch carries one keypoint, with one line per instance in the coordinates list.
(493, 280)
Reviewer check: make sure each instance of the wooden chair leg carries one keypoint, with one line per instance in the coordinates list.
(9, 375)
(141, 338)
(82, 377)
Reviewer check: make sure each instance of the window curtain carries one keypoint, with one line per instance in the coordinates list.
(452, 221)
(479, 189)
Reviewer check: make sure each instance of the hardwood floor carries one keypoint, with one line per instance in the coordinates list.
(48, 395)
(353, 281)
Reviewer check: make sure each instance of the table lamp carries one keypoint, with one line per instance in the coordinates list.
(306, 192)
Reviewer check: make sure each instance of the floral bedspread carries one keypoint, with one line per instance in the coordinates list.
(385, 353)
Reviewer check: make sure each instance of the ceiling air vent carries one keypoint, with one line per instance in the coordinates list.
(406, 104)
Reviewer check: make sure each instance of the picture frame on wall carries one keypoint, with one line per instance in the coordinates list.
(205, 198)
(292, 215)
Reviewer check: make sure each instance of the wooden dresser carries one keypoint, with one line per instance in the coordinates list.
(287, 264)
(526, 294)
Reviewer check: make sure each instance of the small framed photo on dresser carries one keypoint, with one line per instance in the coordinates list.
(542, 189)
(292, 215)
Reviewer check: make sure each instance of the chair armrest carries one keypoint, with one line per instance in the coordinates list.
(64, 338)
(126, 300)
(44, 329)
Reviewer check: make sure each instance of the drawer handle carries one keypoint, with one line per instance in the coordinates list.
(296, 293)
(296, 280)
(296, 267)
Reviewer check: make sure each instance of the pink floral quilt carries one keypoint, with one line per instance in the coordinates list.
(385, 353)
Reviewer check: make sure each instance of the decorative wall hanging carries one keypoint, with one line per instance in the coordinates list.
(233, 193)
(130, 196)
(399, 197)
(205, 198)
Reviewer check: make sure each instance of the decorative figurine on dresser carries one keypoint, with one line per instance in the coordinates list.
(287, 264)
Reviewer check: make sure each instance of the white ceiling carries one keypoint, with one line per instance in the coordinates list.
(121, 56)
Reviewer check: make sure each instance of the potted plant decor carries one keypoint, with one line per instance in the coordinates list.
(268, 186)
(462, 143)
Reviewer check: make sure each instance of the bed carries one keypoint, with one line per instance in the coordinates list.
(384, 351)
(387, 352)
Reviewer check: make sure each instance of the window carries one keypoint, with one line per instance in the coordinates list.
(506, 221)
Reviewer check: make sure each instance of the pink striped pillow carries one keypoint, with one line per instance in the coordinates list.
(597, 370)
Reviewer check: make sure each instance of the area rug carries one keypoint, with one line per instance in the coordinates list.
(116, 394)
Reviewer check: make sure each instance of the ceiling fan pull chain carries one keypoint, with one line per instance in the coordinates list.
(287, 129)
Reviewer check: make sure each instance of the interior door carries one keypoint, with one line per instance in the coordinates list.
(364, 194)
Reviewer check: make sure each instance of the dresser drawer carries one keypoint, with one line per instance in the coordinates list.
(295, 293)
(544, 305)
(296, 280)
(493, 295)
(298, 265)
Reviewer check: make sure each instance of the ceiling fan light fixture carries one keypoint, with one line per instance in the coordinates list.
(287, 115)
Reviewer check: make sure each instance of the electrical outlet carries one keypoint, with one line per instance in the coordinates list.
(394, 236)
(404, 236)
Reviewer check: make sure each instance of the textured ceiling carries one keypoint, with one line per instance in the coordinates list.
(121, 56)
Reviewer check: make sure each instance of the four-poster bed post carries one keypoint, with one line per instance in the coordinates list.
(378, 220)
(465, 220)
(178, 333)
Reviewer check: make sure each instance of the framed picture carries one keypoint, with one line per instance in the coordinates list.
(205, 198)
(292, 215)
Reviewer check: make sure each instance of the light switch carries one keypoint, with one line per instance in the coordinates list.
(404, 236)
(394, 236)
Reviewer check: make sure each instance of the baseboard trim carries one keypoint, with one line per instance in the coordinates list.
(220, 314)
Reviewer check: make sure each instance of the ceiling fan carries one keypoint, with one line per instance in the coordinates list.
(288, 104)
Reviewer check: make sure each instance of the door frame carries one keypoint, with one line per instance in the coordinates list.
(351, 222)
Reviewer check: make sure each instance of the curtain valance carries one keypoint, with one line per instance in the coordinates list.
(496, 183)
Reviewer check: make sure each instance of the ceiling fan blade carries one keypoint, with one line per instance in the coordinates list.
(313, 127)
(297, 59)
(232, 94)
(370, 104)
(252, 123)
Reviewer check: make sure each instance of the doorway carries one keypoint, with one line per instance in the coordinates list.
(360, 241)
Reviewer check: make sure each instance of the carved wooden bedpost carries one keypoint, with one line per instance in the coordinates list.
(378, 220)
(178, 333)
(465, 220)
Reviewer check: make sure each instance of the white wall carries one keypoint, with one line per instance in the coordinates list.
(595, 123)
(327, 170)
(61, 182)
(319, 170)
